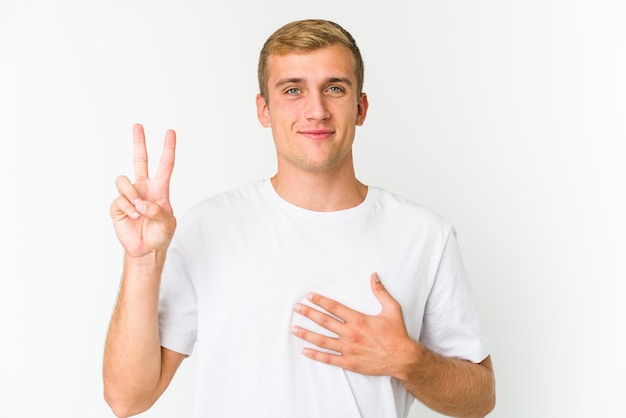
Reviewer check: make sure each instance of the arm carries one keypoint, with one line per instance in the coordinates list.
(136, 368)
(380, 345)
(451, 386)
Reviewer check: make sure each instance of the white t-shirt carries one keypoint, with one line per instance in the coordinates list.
(239, 262)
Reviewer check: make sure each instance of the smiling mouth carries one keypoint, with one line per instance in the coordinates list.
(317, 133)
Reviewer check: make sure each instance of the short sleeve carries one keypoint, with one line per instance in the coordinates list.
(178, 304)
(451, 324)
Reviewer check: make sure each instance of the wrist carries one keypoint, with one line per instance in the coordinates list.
(152, 260)
(411, 357)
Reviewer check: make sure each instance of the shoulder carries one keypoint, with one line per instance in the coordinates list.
(396, 205)
(226, 207)
(231, 199)
(410, 219)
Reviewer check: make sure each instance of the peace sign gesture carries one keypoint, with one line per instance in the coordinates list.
(142, 215)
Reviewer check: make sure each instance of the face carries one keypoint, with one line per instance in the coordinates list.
(313, 108)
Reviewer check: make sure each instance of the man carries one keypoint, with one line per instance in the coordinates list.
(279, 284)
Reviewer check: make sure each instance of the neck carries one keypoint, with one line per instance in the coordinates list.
(320, 191)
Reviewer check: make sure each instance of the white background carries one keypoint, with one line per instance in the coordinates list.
(506, 117)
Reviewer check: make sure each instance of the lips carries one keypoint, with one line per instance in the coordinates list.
(317, 133)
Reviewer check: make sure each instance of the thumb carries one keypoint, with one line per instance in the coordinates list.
(381, 293)
(165, 219)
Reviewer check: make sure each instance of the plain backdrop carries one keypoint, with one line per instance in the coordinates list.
(506, 117)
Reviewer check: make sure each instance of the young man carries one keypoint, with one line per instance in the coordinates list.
(279, 284)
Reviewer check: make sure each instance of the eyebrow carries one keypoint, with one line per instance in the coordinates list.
(298, 80)
(340, 80)
(290, 80)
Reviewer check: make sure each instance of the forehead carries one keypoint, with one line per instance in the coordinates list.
(334, 61)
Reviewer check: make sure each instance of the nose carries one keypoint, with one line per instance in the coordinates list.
(316, 107)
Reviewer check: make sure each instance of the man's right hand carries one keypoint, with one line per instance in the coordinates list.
(142, 215)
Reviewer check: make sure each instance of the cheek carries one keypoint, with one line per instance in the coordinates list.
(285, 116)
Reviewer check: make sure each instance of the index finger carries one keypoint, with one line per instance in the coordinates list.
(331, 306)
(166, 165)
(140, 154)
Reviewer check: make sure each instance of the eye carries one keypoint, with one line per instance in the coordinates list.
(335, 89)
(292, 91)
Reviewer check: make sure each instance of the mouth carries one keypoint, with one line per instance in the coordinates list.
(317, 134)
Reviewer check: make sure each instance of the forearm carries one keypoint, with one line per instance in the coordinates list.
(132, 359)
(450, 386)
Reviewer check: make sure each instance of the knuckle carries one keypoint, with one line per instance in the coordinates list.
(359, 322)
(118, 204)
(397, 307)
(152, 209)
(352, 336)
(325, 321)
(319, 340)
(348, 364)
(323, 357)
(332, 305)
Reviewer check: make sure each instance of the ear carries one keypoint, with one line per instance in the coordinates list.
(262, 111)
(362, 106)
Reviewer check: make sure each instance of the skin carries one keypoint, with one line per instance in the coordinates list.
(136, 369)
(380, 345)
(313, 109)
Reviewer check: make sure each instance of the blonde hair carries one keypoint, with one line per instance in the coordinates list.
(308, 35)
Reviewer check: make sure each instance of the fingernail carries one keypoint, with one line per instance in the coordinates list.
(294, 330)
